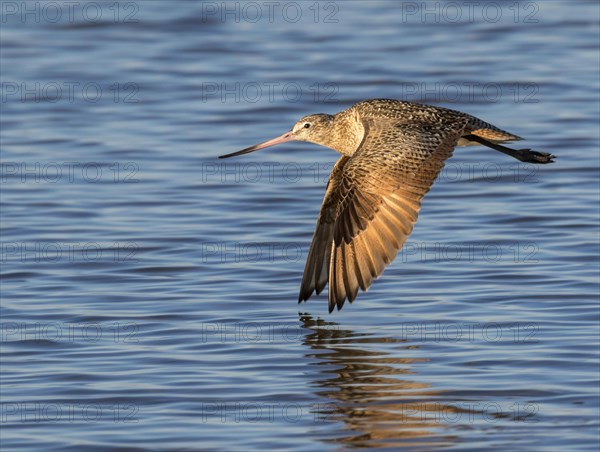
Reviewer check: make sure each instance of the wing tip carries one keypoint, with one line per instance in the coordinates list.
(332, 305)
(304, 294)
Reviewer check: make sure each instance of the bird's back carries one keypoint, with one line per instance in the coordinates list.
(403, 112)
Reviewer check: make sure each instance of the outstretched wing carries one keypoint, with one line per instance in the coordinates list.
(372, 202)
(316, 270)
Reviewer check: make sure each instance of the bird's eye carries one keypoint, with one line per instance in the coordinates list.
(306, 125)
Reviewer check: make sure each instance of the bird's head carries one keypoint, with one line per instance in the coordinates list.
(312, 128)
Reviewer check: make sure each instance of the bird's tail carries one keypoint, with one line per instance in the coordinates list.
(495, 135)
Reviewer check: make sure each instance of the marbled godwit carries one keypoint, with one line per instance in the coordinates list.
(392, 152)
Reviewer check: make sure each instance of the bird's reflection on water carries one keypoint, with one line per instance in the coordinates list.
(378, 397)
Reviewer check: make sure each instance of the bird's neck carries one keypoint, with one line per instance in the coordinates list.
(347, 132)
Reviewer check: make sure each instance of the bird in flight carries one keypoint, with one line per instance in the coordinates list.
(392, 152)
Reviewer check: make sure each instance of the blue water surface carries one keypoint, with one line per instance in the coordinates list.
(149, 290)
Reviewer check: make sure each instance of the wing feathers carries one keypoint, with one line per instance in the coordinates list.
(316, 270)
(371, 205)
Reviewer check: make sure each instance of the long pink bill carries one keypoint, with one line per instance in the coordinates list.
(288, 136)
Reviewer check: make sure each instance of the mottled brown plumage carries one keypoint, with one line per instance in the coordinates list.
(392, 152)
